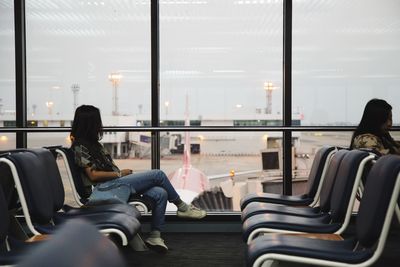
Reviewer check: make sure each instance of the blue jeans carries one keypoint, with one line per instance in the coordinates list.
(153, 184)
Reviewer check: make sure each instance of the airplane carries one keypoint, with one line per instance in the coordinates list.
(188, 181)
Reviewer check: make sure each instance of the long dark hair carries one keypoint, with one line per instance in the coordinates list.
(376, 114)
(87, 124)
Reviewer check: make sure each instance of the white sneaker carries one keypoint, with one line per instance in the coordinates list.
(192, 212)
(157, 244)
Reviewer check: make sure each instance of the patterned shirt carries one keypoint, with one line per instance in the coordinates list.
(368, 140)
(97, 158)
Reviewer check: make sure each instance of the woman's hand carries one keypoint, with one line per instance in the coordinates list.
(126, 172)
(102, 176)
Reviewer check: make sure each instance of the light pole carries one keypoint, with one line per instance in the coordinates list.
(269, 87)
(34, 106)
(49, 105)
(115, 79)
(75, 90)
(166, 103)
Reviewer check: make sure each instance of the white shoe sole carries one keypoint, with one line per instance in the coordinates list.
(157, 247)
(182, 215)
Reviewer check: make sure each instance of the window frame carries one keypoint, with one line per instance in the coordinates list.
(21, 128)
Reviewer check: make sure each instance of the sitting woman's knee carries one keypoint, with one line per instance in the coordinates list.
(159, 175)
(158, 194)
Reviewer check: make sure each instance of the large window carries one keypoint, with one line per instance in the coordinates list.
(7, 66)
(221, 66)
(344, 54)
(222, 57)
(88, 52)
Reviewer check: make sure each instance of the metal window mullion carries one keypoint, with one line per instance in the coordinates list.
(155, 84)
(20, 72)
(287, 96)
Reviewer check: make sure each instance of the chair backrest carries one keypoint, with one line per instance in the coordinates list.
(53, 175)
(345, 185)
(82, 190)
(317, 169)
(36, 189)
(77, 243)
(330, 178)
(7, 185)
(379, 198)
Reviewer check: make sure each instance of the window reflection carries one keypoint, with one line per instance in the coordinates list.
(7, 66)
(96, 53)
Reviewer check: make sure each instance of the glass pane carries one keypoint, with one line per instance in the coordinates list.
(7, 141)
(339, 64)
(132, 150)
(222, 166)
(7, 66)
(223, 58)
(304, 152)
(88, 52)
(307, 144)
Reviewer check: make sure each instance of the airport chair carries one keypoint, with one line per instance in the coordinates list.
(54, 178)
(80, 192)
(77, 243)
(38, 204)
(254, 208)
(372, 227)
(314, 183)
(341, 205)
(58, 193)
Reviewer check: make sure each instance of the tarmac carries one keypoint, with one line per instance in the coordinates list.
(223, 165)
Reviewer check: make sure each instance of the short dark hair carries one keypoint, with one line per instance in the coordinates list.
(87, 124)
(376, 113)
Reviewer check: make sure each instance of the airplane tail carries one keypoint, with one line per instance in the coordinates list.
(187, 177)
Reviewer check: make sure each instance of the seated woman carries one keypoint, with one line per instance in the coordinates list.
(373, 130)
(99, 170)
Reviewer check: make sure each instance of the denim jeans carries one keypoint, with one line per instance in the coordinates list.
(153, 184)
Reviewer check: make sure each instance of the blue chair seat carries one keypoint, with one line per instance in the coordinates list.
(255, 208)
(297, 200)
(112, 220)
(109, 207)
(289, 223)
(330, 250)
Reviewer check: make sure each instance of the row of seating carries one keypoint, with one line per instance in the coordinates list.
(37, 191)
(277, 228)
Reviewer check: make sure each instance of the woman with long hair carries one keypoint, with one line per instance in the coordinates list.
(100, 171)
(373, 130)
